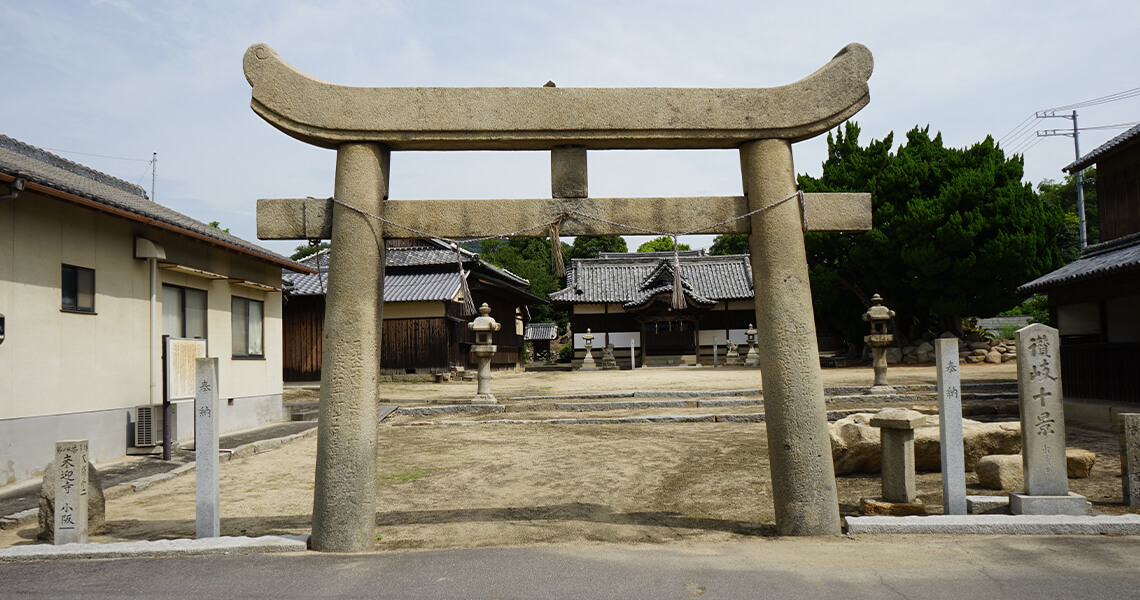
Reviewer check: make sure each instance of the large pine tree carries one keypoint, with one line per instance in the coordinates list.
(955, 232)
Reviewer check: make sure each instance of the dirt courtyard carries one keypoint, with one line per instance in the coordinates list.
(482, 485)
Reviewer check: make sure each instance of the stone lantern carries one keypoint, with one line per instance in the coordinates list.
(588, 363)
(483, 349)
(753, 357)
(880, 339)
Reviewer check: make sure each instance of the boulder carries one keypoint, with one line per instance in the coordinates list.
(980, 352)
(1001, 472)
(1001, 348)
(1008, 357)
(855, 445)
(96, 504)
(980, 346)
(894, 356)
(1078, 462)
(993, 357)
(974, 359)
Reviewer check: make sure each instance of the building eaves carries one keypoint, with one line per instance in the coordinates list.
(1114, 257)
(1117, 143)
(620, 278)
(71, 181)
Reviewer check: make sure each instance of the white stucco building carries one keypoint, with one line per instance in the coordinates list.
(92, 275)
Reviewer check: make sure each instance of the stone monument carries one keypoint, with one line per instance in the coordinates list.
(483, 349)
(732, 357)
(71, 463)
(1042, 427)
(365, 125)
(588, 363)
(208, 515)
(753, 357)
(880, 339)
(1130, 457)
(951, 444)
(609, 363)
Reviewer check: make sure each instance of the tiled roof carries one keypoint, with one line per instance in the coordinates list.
(1121, 255)
(38, 166)
(428, 272)
(540, 331)
(1126, 138)
(633, 278)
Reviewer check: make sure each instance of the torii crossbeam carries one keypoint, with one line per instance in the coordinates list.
(365, 125)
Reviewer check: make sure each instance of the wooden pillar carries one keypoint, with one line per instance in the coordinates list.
(799, 444)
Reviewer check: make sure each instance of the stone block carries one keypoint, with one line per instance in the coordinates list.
(1078, 462)
(1069, 504)
(993, 357)
(975, 359)
(898, 418)
(987, 505)
(1001, 472)
(878, 506)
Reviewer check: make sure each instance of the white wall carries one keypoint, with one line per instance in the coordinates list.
(80, 375)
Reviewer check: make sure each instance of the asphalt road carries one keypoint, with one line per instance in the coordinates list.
(1007, 567)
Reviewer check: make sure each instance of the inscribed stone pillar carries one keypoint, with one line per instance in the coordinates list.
(1130, 457)
(799, 443)
(1042, 411)
(950, 426)
(344, 500)
(208, 496)
(70, 492)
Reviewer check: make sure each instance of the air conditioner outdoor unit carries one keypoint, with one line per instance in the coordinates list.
(148, 425)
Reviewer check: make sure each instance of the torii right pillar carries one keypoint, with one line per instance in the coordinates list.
(799, 444)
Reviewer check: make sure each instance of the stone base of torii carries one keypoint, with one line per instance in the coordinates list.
(365, 125)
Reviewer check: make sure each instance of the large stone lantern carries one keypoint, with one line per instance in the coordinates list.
(880, 339)
(483, 349)
(753, 357)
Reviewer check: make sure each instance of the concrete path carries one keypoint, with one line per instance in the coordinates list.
(934, 567)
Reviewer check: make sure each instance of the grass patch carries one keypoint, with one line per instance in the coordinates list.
(413, 474)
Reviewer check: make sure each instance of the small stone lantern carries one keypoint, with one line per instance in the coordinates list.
(588, 363)
(483, 349)
(880, 339)
(753, 357)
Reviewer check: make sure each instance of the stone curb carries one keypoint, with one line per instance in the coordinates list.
(159, 548)
(423, 411)
(143, 483)
(999, 524)
(645, 394)
(832, 415)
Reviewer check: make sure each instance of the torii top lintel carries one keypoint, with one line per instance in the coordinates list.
(541, 118)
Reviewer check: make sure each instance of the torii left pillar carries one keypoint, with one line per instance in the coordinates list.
(344, 516)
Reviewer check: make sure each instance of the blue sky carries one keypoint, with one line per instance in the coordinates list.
(126, 79)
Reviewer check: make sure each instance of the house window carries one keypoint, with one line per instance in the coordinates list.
(78, 289)
(183, 312)
(247, 327)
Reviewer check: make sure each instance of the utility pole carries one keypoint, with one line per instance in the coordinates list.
(1075, 134)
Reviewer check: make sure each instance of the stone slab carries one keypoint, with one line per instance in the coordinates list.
(543, 118)
(1071, 504)
(999, 524)
(898, 418)
(880, 507)
(179, 547)
(977, 505)
(307, 218)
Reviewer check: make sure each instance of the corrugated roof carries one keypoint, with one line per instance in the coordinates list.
(1124, 139)
(1121, 255)
(39, 166)
(633, 278)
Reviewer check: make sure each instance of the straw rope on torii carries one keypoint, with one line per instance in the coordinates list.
(365, 125)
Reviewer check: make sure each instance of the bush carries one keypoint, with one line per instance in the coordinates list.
(566, 353)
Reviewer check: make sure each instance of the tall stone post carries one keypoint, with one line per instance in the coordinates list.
(71, 464)
(799, 444)
(207, 493)
(344, 500)
(951, 444)
(1130, 457)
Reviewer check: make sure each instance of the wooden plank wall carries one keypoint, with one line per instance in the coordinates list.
(303, 330)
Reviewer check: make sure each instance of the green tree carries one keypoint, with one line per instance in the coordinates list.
(1064, 195)
(528, 258)
(729, 243)
(589, 247)
(218, 225)
(661, 244)
(307, 250)
(955, 232)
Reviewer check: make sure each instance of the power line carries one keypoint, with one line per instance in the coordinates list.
(1095, 101)
(146, 160)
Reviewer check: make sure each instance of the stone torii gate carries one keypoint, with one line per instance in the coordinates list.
(364, 125)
